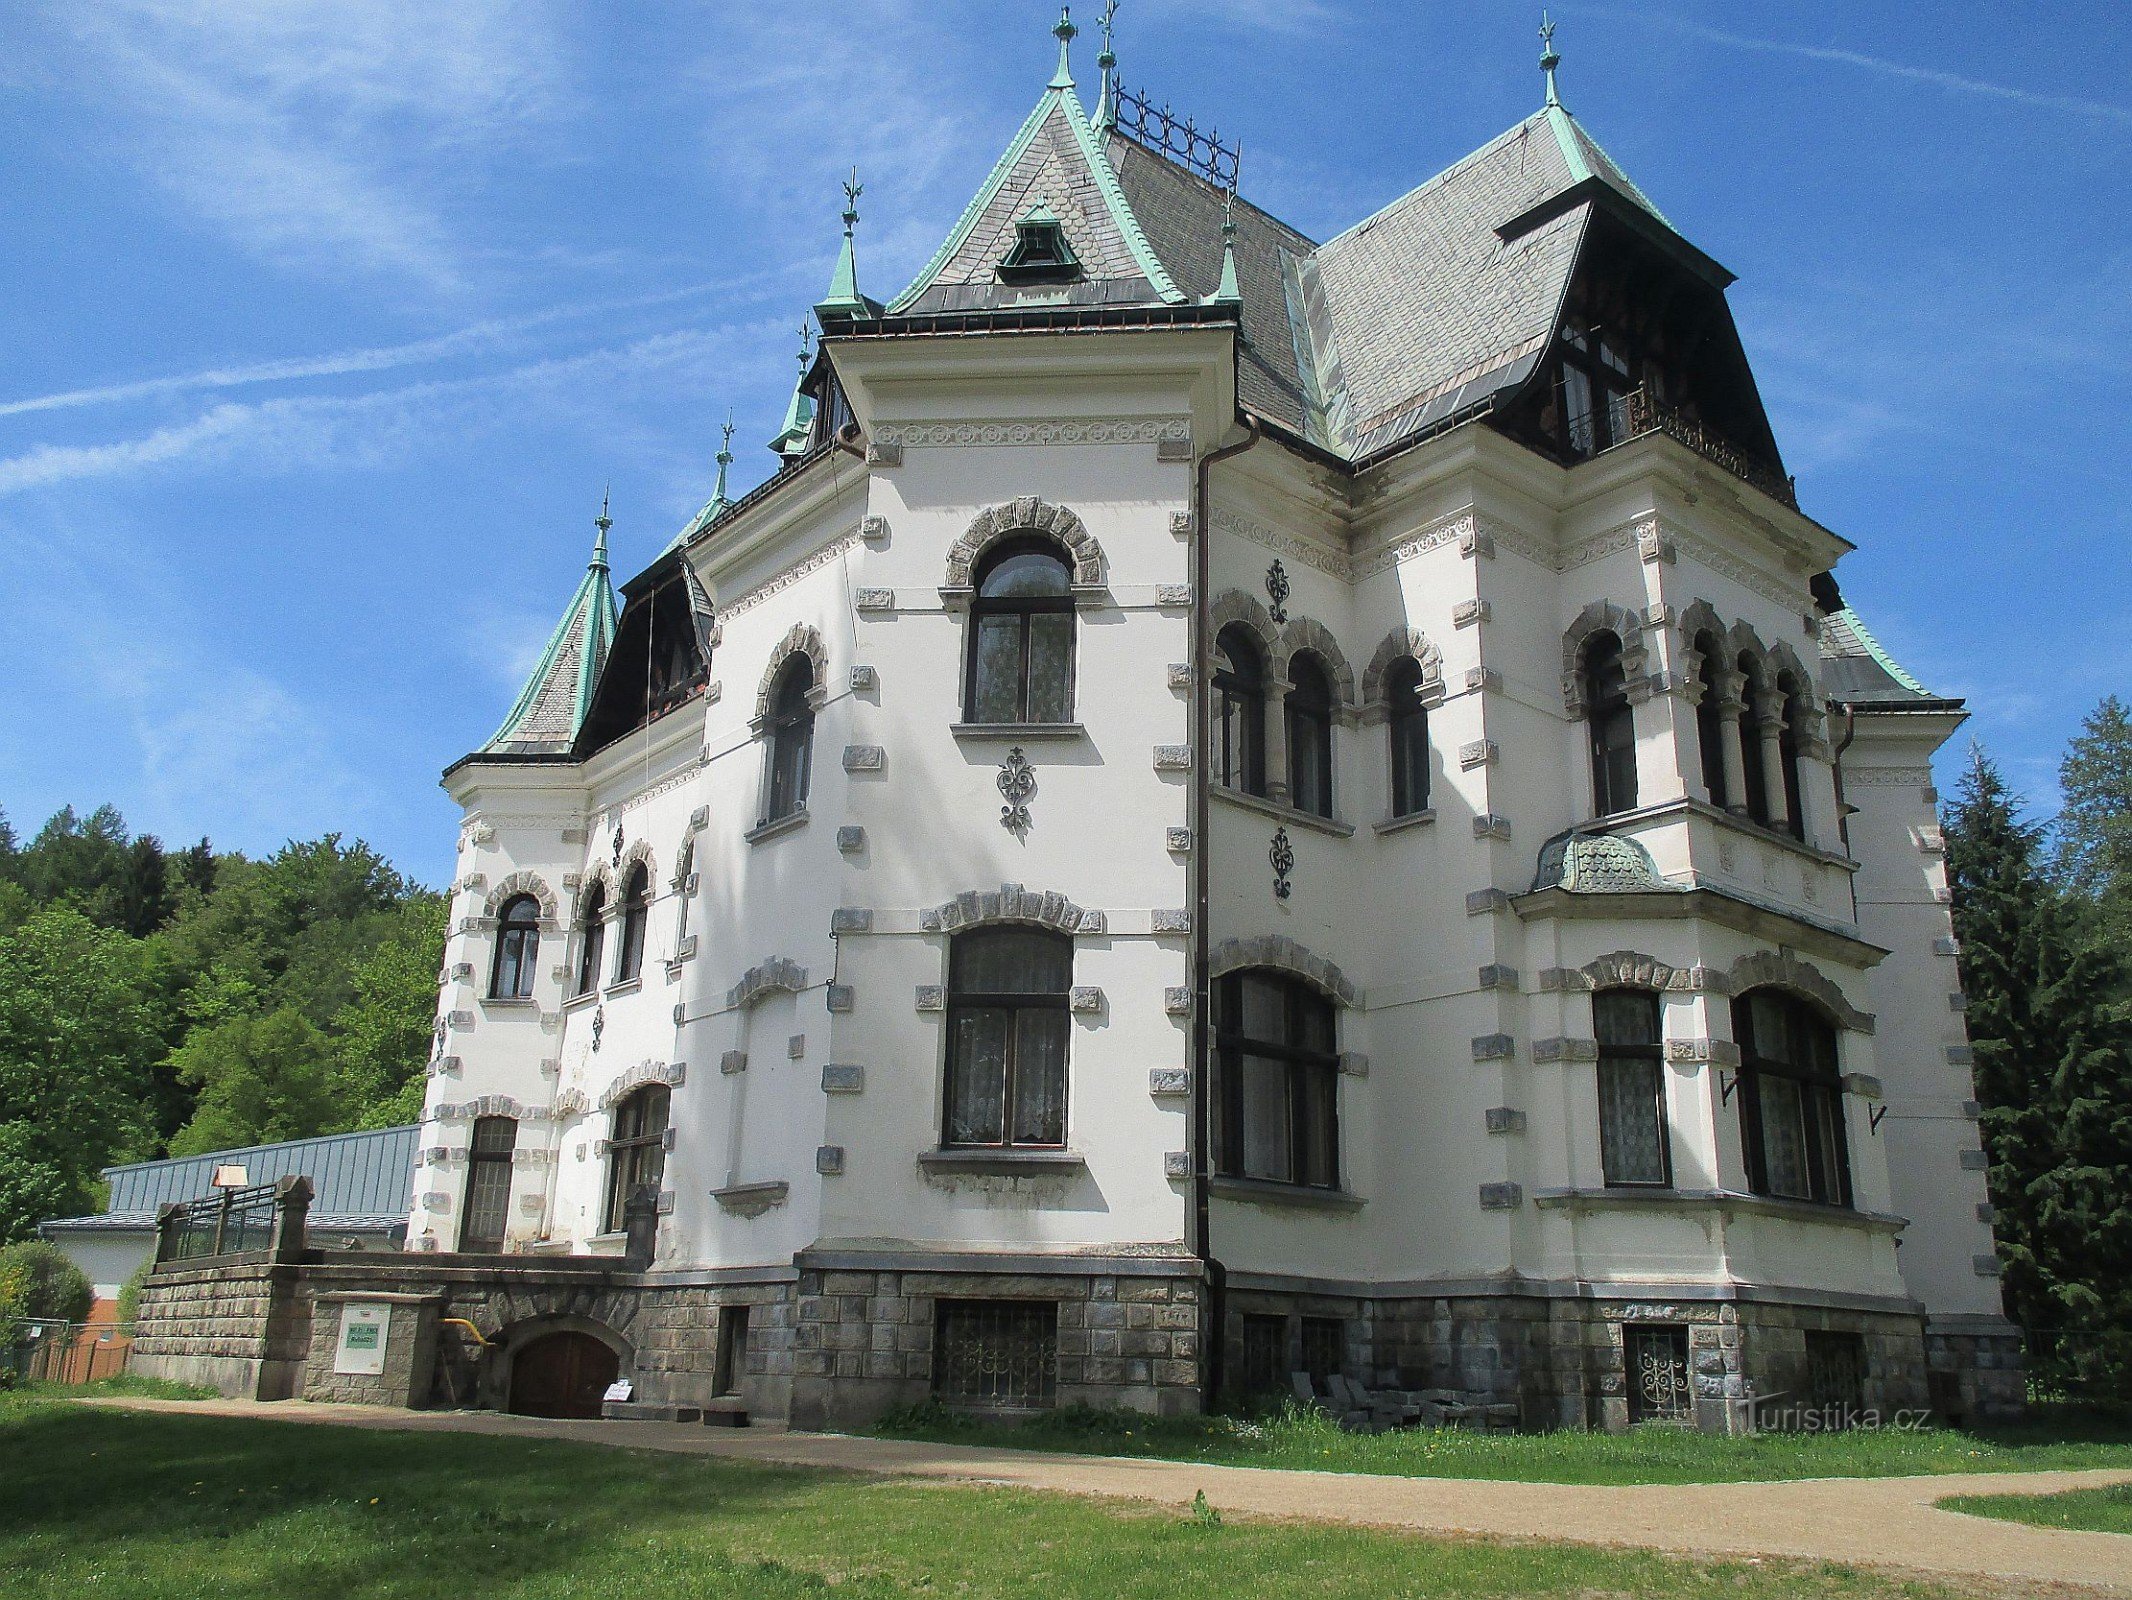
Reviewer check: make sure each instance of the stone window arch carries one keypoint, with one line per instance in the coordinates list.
(519, 883)
(1780, 969)
(1026, 515)
(1009, 903)
(1602, 616)
(1281, 952)
(1307, 634)
(1235, 606)
(773, 975)
(1403, 644)
(800, 640)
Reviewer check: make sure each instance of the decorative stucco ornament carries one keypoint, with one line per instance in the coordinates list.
(1282, 856)
(1017, 785)
(1277, 591)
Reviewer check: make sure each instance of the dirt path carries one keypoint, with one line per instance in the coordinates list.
(1890, 1522)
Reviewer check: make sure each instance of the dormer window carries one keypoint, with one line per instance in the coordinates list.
(1040, 253)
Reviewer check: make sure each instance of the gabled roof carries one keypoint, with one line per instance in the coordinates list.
(1055, 162)
(552, 706)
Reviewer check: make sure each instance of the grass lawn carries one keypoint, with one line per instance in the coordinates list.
(2095, 1510)
(150, 1506)
(2055, 1439)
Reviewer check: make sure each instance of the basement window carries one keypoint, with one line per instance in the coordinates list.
(1040, 253)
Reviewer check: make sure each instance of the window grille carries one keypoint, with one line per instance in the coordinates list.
(1324, 1347)
(1835, 1376)
(1265, 1355)
(1660, 1388)
(998, 1354)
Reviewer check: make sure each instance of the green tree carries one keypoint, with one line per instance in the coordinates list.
(75, 1042)
(37, 1280)
(2094, 831)
(2053, 1069)
(260, 1079)
(99, 867)
(383, 1035)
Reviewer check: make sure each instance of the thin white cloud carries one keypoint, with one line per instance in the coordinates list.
(330, 133)
(2098, 109)
(378, 358)
(365, 429)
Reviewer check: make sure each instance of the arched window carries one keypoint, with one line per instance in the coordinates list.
(1279, 1080)
(1635, 1147)
(592, 938)
(1239, 754)
(1788, 752)
(1021, 637)
(1791, 1099)
(1756, 781)
(791, 741)
(517, 949)
(1007, 1029)
(1612, 725)
(636, 906)
(488, 1183)
(1310, 736)
(1409, 722)
(636, 1151)
(1710, 717)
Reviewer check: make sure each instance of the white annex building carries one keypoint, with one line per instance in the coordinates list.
(1238, 805)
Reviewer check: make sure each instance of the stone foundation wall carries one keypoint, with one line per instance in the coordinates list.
(1974, 1367)
(240, 1327)
(1562, 1361)
(864, 1338)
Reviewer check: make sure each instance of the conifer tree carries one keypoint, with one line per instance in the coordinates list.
(2053, 1069)
(2094, 832)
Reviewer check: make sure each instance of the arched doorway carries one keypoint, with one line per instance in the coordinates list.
(561, 1375)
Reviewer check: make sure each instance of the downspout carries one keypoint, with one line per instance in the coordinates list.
(1213, 1337)
(1843, 807)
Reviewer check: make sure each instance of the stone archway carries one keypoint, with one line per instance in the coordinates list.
(562, 1373)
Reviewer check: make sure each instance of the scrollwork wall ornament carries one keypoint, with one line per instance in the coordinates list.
(1281, 855)
(1017, 786)
(1277, 591)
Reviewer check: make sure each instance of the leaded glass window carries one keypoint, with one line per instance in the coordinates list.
(1634, 1143)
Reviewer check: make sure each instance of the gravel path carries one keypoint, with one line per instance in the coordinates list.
(1888, 1522)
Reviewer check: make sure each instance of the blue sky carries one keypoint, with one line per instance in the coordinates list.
(324, 325)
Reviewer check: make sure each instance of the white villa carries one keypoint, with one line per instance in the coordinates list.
(1238, 806)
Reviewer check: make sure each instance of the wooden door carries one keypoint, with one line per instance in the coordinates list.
(561, 1375)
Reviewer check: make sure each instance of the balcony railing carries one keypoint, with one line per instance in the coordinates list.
(1639, 413)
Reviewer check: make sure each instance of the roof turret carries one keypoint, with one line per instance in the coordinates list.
(791, 441)
(844, 302)
(552, 706)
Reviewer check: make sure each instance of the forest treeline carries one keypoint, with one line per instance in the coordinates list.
(169, 1002)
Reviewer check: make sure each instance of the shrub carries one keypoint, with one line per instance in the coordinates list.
(37, 1280)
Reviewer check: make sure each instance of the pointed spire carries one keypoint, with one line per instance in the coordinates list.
(551, 707)
(1106, 117)
(715, 507)
(725, 458)
(844, 299)
(1229, 291)
(1064, 30)
(791, 441)
(1549, 60)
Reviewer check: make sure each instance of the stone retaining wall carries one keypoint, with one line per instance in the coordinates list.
(239, 1326)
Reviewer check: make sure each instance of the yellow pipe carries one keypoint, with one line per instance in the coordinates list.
(472, 1332)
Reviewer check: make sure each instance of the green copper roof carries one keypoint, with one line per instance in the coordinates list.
(1059, 101)
(713, 508)
(844, 299)
(552, 706)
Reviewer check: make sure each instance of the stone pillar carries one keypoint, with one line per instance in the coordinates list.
(1277, 688)
(292, 1211)
(1729, 708)
(373, 1349)
(1769, 722)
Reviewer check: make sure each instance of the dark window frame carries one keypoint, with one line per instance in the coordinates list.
(513, 965)
(1407, 730)
(1755, 802)
(1308, 709)
(961, 1002)
(1610, 724)
(1710, 719)
(1620, 1062)
(636, 914)
(1312, 1075)
(592, 939)
(488, 1163)
(1023, 609)
(636, 1149)
(1788, 754)
(1823, 1122)
(1239, 712)
(790, 757)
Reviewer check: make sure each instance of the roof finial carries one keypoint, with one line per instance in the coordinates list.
(852, 190)
(1549, 60)
(1107, 63)
(844, 299)
(725, 456)
(1064, 32)
(1229, 291)
(806, 338)
(602, 522)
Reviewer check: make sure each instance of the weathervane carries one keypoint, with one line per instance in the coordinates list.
(852, 190)
(1107, 64)
(1549, 60)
